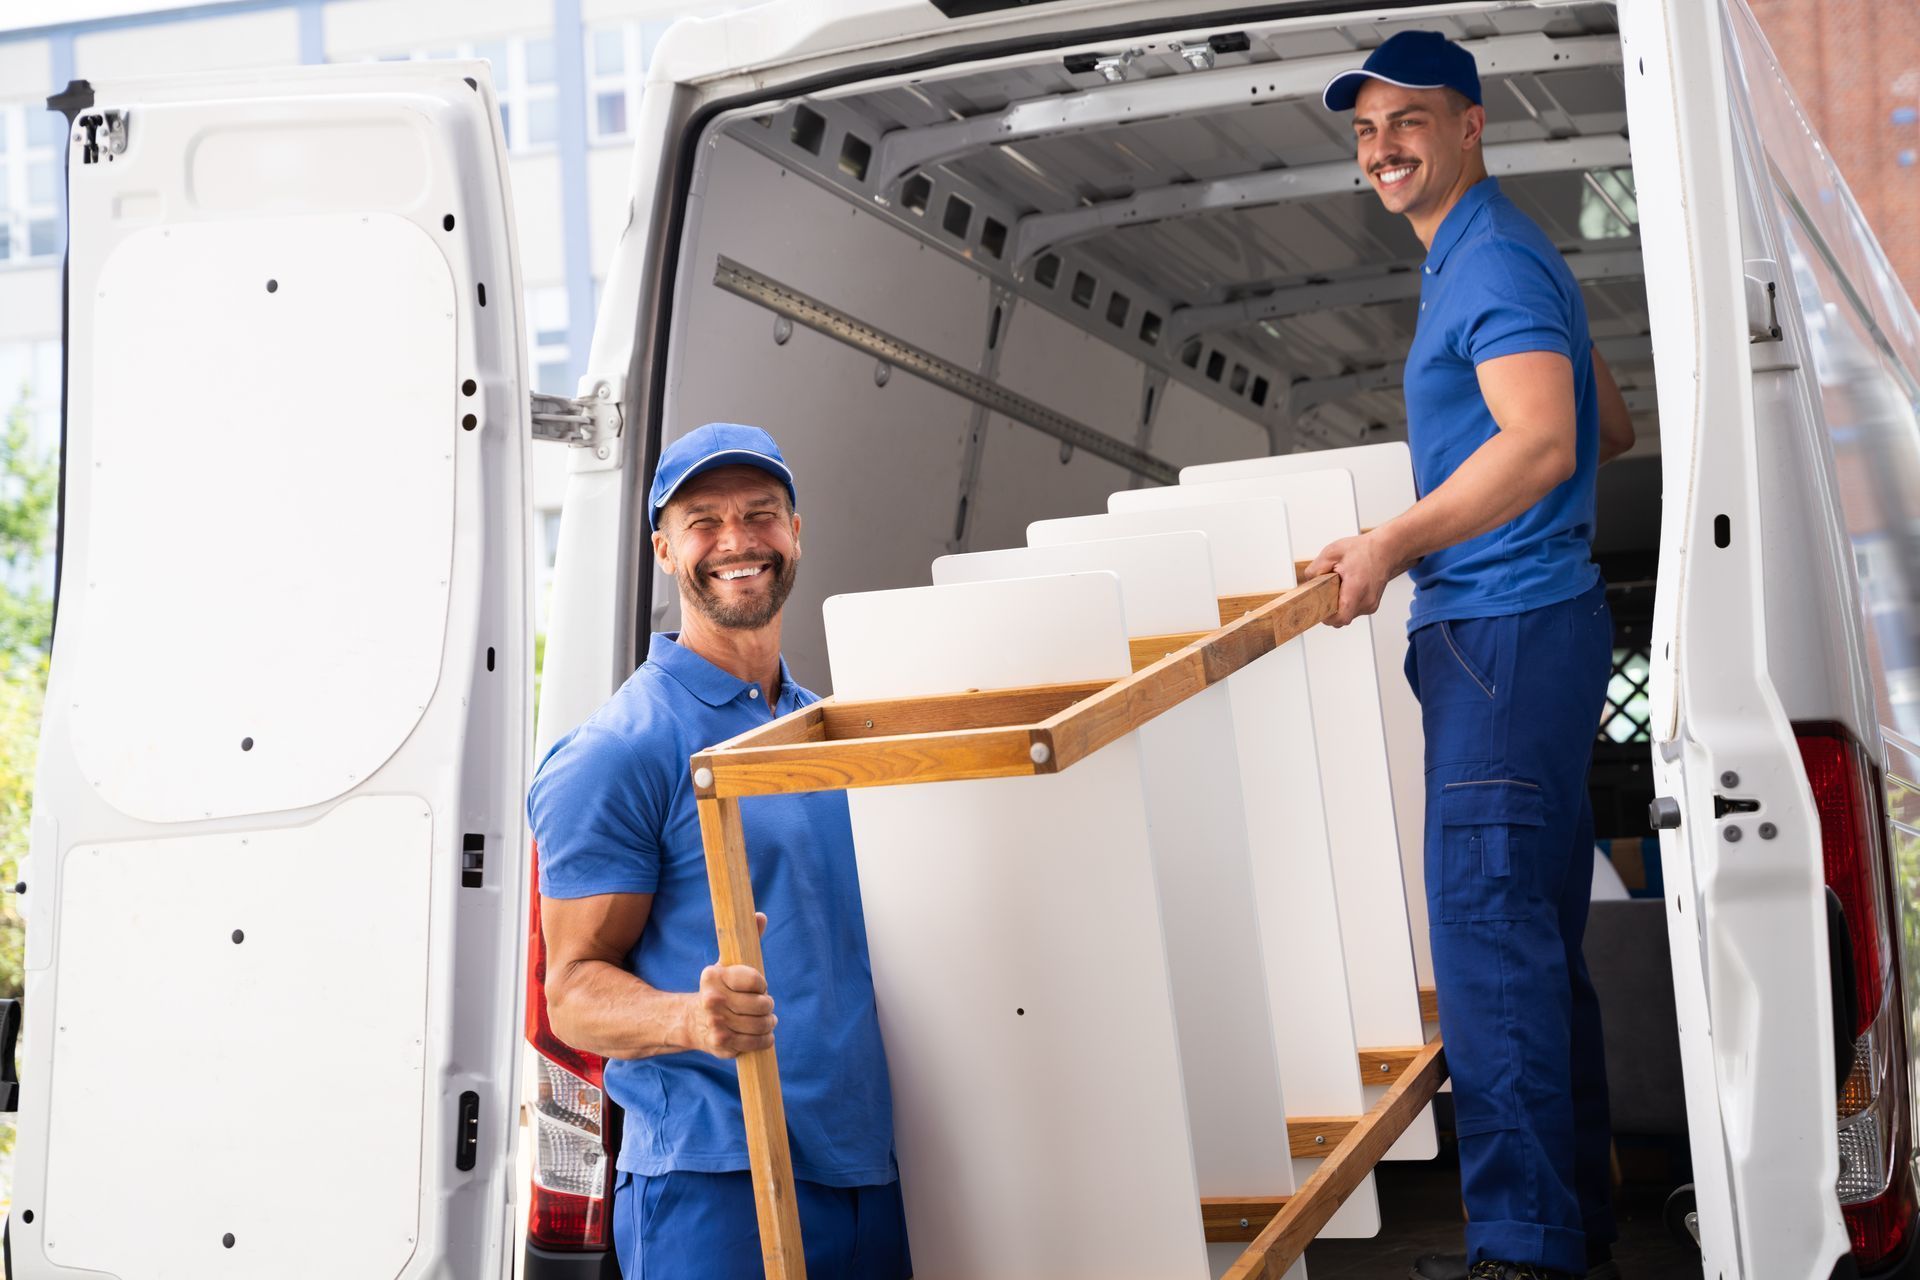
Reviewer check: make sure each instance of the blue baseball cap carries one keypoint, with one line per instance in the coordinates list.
(1412, 60)
(718, 444)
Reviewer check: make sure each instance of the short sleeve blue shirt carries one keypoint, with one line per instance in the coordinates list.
(1495, 285)
(613, 812)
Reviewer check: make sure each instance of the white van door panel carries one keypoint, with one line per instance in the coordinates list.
(275, 959)
(1745, 909)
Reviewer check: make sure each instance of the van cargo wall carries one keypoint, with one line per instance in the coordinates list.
(882, 469)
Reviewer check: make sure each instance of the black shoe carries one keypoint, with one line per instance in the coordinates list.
(1439, 1266)
(1488, 1269)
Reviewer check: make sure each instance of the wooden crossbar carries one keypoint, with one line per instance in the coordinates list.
(1004, 733)
(1292, 1228)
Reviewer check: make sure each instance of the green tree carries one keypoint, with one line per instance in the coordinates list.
(29, 483)
(29, 486)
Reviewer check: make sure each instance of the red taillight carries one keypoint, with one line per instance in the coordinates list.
(1879, 1227)
(1845, 795)
(572, 1188)
(1876, 1187)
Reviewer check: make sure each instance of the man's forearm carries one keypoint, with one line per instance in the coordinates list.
(601, 1008)
(1498, 481)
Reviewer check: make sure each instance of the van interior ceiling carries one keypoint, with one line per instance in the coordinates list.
(973, 299)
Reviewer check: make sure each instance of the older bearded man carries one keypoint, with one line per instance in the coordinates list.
(628, 914)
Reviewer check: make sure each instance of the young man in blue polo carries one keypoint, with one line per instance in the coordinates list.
(1509, 412)
(628, 916)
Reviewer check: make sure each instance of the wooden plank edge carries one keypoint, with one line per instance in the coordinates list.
(1286, 1236)
(1316, 1137)
(1237, 1219)
(1384, 1066)
(1429, 1005)
(769, 1155)
(1125, 705)
(872, 762)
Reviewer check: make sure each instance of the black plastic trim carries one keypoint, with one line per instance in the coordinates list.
(696, 129)
(546, 1264)
(69, 102)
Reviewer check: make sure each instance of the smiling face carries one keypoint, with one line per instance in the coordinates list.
(1420, 148)
(732, 540)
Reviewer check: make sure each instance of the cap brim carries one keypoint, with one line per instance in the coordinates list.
(1344, 89)
(726, 458)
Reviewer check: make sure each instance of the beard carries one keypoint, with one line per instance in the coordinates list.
(741, 615)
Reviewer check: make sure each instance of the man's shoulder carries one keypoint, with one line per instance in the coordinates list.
(637, 723)
(1508, 234)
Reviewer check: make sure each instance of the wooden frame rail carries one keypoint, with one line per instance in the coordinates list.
(1006, 733)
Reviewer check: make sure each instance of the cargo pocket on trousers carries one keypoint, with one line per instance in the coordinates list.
(1485, 824)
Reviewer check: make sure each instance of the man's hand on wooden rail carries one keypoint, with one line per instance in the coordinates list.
(732, 1014)
(1365, 567)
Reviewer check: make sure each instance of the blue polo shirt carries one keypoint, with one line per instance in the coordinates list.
(613, 812)
(1494, 285)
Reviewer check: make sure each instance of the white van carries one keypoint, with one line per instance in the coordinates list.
(975, 263)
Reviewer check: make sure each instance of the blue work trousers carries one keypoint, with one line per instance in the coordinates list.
(1510, 708)
(702, 1226)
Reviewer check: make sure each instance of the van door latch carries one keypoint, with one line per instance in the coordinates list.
(1724, 805)
(590, 421)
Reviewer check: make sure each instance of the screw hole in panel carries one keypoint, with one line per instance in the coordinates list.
(468, 387)
(1084, 287)
(489, 657)
(447, 222)
(809, 129)
(993, 237)
(273, 286)
(855, 154)
(469, 422)
(1722, 532)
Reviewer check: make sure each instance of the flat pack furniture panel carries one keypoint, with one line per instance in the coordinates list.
(1198, 833)
(1256, 551)
(1310, 973)
(1382, 489)
(1018, 956)
(1322, 507)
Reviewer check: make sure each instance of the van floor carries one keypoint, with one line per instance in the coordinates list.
(1420, 1213)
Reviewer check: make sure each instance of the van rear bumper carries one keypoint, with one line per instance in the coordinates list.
(545, 1264)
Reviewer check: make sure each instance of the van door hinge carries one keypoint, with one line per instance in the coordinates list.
(583, 422)
(1763, 310)
(104, 131)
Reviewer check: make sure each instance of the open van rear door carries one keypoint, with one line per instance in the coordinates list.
(1741, 836)
(277, 872)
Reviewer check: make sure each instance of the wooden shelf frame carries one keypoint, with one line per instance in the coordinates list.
(1025, 732)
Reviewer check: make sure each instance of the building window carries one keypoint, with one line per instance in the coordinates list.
(547, 349)
(616, 62)
(617, 58)
(30, 141)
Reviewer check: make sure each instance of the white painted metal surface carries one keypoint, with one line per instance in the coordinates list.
(1381, 486)
(1198, 833)
(233, 1007)
(1305, 917)
(330, 514)
(280, 529)
(1019, 959)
